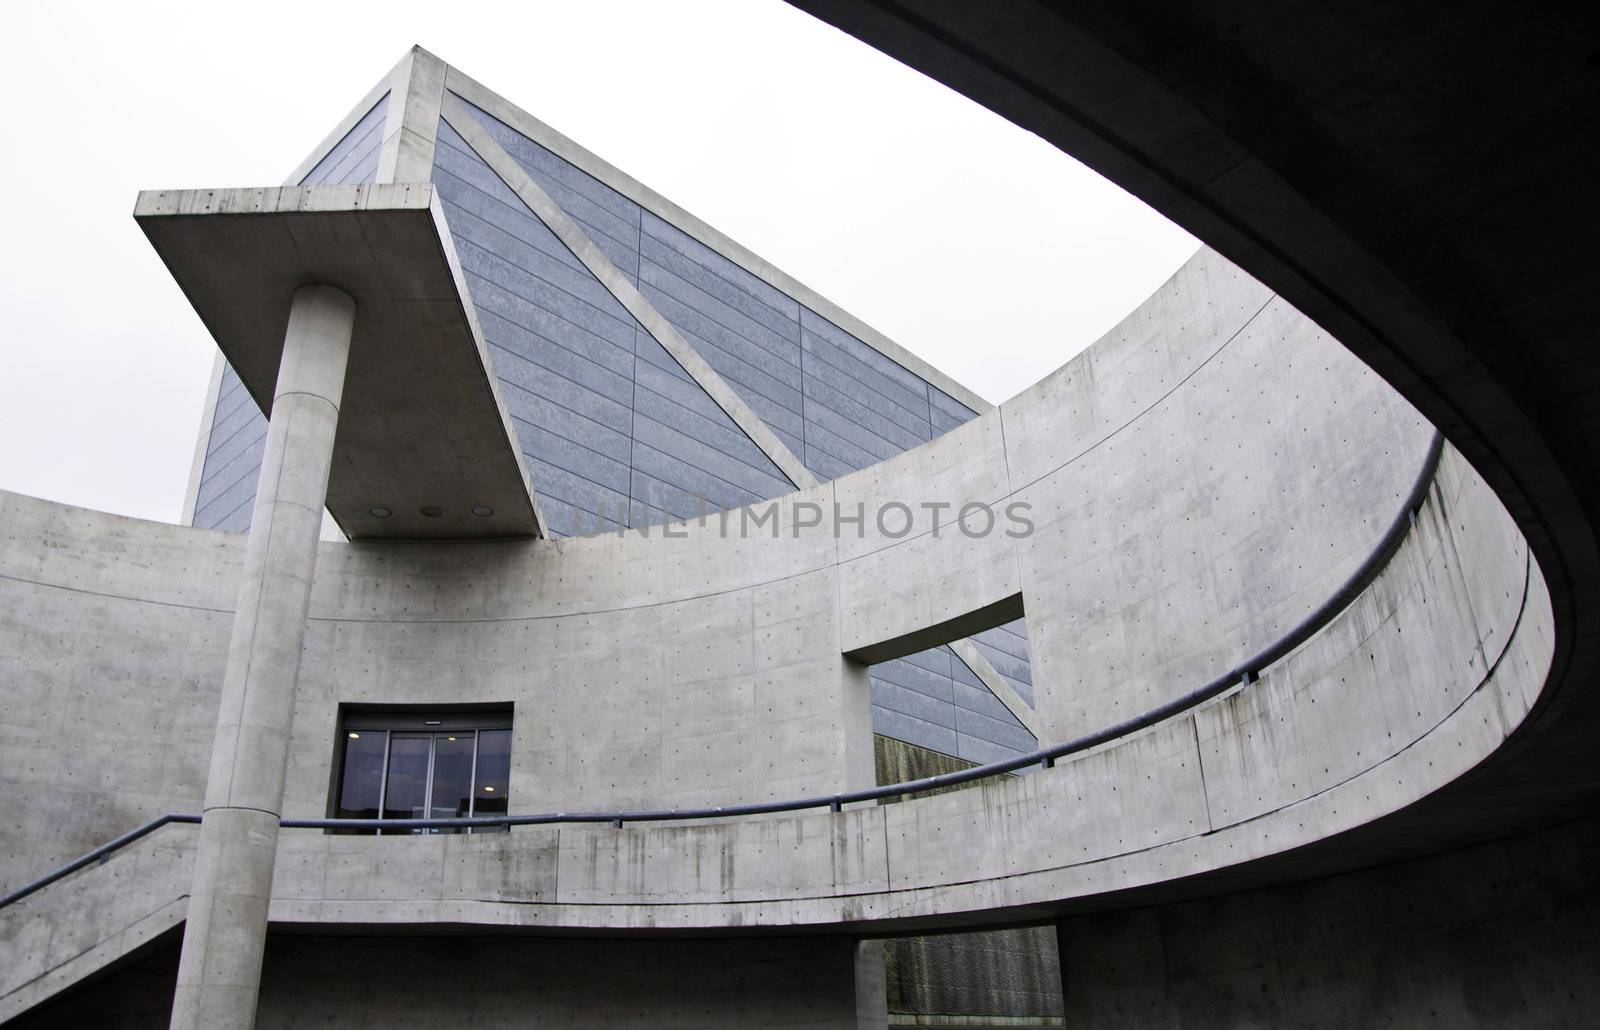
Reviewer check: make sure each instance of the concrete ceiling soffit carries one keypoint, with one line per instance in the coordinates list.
(421, 421)
(627, 294)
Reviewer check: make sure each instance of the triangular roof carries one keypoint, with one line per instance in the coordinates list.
(411, 97)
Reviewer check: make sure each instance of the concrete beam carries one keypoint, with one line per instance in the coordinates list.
(584, 249)
(1007, 609)
(411, 124)
(485, 99)
(1003, 691)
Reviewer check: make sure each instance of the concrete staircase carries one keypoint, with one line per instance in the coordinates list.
(78, 926)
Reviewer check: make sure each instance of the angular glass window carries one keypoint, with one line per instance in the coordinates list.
(423, 766)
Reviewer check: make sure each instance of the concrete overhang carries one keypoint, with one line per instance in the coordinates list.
(421, 426)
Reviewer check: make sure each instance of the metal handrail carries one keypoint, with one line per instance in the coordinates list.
(1244, 673)
(99, 854)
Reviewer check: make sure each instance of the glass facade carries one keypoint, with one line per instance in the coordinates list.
(424, 767)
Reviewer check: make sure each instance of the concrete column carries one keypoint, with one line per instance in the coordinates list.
(872, 987)
(223, 940)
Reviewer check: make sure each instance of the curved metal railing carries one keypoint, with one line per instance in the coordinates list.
(1245, 673)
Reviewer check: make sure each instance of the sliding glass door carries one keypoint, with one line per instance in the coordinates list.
(405, 772)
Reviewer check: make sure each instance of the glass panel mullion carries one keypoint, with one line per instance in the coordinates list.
(427, 797)
(383, 782)
(472, 781)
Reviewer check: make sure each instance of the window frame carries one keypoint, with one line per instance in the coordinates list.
(412, 719)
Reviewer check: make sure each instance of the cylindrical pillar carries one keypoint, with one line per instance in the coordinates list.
(219, 974)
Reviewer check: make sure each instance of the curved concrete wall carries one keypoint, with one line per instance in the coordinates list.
(113, 634)
(1409, 688)
(1200, 480)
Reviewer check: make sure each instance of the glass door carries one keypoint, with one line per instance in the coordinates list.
(415, 771)
(406, 781)
(492, 776)
(450, 785)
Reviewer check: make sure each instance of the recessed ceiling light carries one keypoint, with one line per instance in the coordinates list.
(432, 511)
(488, 790)
(483, 511)
(355, 736)
(378, 511)
(449, 738)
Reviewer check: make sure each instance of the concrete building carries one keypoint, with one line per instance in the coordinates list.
(1294, 691)
(666, 372)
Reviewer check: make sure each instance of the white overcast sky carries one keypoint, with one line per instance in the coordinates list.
(972, 243)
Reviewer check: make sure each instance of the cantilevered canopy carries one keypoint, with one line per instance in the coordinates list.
(422, 433)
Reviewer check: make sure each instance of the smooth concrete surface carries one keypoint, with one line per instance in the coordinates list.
(115, 638)
(1499, 935)
(1394, 701)
(1417, 180)
(226, 924)
(871, 986)
(1423, 199)
(423, 427)
(1010, 975)
(134, 901)
(417, 86)
(1227, 468)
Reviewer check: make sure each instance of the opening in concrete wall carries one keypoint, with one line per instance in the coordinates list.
(403, 763)
(975, 978)
(966, 693)
(941, 710)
